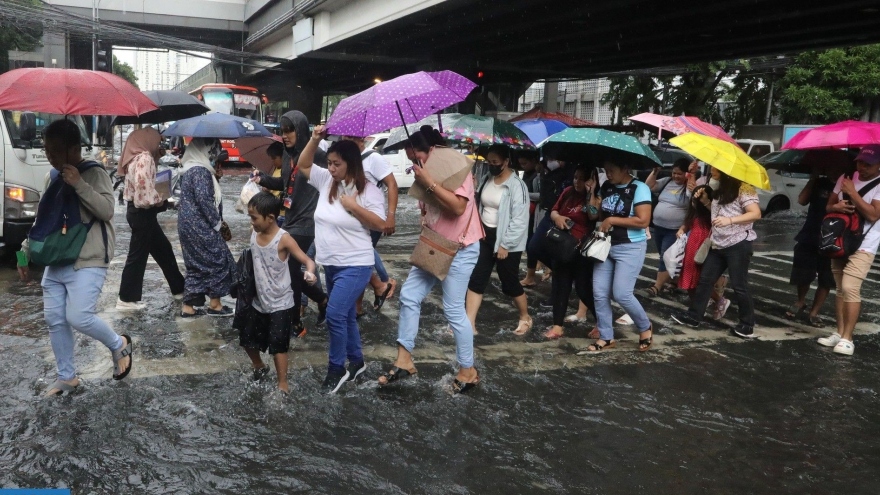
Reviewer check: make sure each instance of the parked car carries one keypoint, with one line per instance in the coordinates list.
(756, 148)
(787, 180)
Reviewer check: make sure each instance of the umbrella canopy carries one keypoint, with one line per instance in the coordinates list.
(726, 157)
(538, 113)
(680, 125)
(217, 125)
(477, 130)
(540, 129)
(71, 92)
(173, 105)
(399, 135)
(593, 146)
(846, 134)
(402, 100)
(253, 151)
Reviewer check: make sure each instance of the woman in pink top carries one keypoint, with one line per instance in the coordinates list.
(456, 219)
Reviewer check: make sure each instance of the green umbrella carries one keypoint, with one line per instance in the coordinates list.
(398, 136)
(595, 146)
(477, 130)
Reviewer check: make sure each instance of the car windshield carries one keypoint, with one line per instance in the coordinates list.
(26, 128)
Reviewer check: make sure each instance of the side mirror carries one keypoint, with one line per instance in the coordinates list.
(223, 156)
(27, 126)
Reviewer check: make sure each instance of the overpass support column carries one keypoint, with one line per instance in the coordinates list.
(306, 100)
(551, 95)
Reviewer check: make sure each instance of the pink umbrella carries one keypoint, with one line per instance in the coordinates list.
(399, 101)
(847, 134)
(682, 124)
(253, 151)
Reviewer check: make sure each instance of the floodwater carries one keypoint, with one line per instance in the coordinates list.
(700, 412)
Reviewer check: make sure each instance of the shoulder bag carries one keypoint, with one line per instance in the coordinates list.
(434, 253)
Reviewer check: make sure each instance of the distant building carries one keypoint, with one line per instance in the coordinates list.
(159, 69)
(582, 99)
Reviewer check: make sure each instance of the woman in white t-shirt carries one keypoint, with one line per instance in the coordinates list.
(348, 207)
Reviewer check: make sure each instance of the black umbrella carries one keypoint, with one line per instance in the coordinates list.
(173, 105)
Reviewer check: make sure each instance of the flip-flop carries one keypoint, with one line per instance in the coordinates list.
(396, 373)
(550, 335)
(645, 344)
(794, 311)
(596, 347)
(198, 312)
(126, 351)
(460, 387)
(816, 322)
(594, 334)
(529, 286)
(380, 299)
(526, 325)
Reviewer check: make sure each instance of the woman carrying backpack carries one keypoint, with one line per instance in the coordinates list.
(855, 196)
(71, 290)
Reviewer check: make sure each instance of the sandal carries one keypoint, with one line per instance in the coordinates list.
(62, 388)
(794, 311)
(594, 334)
(597, 347)
(551, 335)
(645, 344)
(394, 374)
(575, 319)
(651, 292)
(380, 299)
(816, 322)
(546, 276)
(260, 373)
(460, 387)
(522, 328)
(119, 373)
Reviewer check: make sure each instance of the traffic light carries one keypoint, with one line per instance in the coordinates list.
(104, 56)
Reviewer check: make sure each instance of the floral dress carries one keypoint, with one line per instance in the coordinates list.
(690, 270)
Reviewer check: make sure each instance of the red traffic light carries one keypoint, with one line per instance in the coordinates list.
(480, 74)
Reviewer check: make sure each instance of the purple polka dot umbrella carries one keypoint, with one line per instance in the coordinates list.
(399, 101)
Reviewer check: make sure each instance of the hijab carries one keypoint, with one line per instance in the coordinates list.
(202, 152)
(144, 140)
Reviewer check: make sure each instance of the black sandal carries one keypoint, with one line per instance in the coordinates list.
(380, 300)
(126, 351)
(645, 344)
(597, 347)
(260, 373)
(396, 373)
(460, 387)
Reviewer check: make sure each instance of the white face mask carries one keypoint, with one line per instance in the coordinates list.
(714, 183)
(552, 164)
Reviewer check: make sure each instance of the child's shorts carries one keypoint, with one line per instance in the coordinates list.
(267, 331)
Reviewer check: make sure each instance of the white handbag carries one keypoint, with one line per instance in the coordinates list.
(597, 246)
(674, 256)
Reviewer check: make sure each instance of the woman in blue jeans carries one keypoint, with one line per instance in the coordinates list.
(672, 206)
(349, 206)
(454, 216)
(624, 215)
(71, 292)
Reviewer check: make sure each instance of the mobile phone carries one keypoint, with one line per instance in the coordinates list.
(569, 223)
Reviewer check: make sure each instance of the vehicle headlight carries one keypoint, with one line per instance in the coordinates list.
(20, 202)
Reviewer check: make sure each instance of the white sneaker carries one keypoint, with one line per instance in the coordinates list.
(829, 341)
(129, 306)
(720, 309)
(845, 347)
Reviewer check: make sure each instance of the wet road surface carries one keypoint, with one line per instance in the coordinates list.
(701, 412)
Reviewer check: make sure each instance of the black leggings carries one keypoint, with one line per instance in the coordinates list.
(508, 268)
(297, 283)
(580, 271)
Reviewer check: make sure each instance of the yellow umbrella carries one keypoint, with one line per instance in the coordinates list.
(726, 157)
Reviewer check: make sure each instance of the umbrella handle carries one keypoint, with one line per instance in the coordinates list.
(405, 128)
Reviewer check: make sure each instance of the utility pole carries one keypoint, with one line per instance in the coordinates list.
(95, 62)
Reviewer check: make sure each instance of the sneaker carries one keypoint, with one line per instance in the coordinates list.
(844, 347)
(355, 370)
(333, 382)
(260, 373)
(129, 306)
(683, 318)
(744, 331)
(720, 309)
(829, 341)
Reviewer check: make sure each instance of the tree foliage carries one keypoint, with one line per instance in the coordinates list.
(124, 71)
(833, 85)
(16, 37)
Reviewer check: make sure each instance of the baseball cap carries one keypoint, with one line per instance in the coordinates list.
(870, 154)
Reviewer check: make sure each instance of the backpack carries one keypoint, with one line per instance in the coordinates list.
(58, 234)
(842, 233)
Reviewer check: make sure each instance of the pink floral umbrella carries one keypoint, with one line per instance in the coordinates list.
(846, 134)
(399, 101)
(682, 124)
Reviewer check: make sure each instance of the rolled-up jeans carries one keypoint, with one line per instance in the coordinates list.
(616, 278)
(417, 286)
(70, 300)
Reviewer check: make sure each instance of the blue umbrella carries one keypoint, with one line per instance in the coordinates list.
(540, 129)
(217, 125)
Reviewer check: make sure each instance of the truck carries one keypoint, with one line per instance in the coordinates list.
(23, 171)
(777, 134)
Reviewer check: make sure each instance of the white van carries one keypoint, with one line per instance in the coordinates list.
(23, 171)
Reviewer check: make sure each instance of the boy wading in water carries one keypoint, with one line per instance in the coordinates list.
(272, 315)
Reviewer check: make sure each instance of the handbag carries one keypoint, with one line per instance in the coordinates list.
(597, 246)
(561, 245)
(435, 253)
(674, 256)
(703, 251)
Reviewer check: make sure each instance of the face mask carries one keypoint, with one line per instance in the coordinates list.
(552, 164)
(495, 171)
(714, 183)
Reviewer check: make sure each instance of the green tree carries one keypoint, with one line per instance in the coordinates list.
(17, 37)
(631, 95)
(832, 85)
(124, 71)
(746, 100)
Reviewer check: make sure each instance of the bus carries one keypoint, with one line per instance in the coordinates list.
(232, 99)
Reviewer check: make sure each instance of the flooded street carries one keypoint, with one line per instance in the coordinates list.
(701, 412)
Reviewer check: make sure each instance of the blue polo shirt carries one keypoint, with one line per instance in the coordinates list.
(621, 201)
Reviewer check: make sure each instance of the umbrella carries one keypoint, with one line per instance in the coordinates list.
(477, 130)
(846, 134)
(173, 105)
(71, 92)
(217, 125)
(538, 113)
(398, 136)
(682, 124)
(597, 145)
(402, 100)
(540, 129)
(726, 157)
(253, 151)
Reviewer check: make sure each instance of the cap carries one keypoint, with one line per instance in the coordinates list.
(870, 154)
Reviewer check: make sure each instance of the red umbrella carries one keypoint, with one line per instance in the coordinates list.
(538, 113)
(253, 151)
(71, 92)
